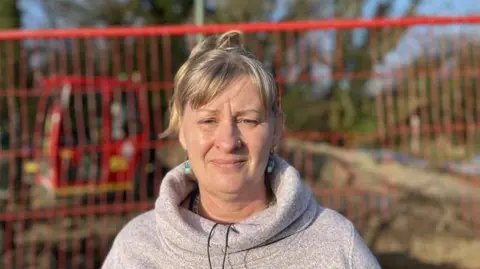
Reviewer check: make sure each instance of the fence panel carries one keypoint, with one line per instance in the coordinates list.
(74, 103)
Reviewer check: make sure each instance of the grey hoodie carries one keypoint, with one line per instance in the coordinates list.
(296, 232)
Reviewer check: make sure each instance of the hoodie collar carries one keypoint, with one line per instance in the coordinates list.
(184, 231)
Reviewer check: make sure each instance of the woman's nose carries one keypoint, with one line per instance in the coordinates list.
(227, 137)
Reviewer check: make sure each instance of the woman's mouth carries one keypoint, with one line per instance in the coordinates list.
(228, 163)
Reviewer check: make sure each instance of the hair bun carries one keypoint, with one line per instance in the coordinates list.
(231, 39)
(227, 41)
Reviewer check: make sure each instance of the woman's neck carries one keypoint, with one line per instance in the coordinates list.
(232, 209)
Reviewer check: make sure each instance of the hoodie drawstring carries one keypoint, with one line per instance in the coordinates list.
(208, 244)
(226, 245)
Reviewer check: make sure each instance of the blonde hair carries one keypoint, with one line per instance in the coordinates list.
(212, 65)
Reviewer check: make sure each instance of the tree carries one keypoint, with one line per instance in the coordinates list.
(92, 13)
(344, 54)
(10, 18)
(114, 13)
(238, 11)
(9, 15)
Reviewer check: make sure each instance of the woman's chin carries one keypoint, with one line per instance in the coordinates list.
(230, 183)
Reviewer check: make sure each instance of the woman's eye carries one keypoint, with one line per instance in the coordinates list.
(208, 121)
(249, 121)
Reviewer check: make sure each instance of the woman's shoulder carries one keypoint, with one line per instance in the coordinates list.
(139, 227)
(335, 234)
(134, 246)
(138, 230)
(332, 220)
(331, 226)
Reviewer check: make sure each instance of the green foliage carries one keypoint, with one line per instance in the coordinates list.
(302, 111)
(9, 14)
(341, 111)
(9, 57)
(93, 12)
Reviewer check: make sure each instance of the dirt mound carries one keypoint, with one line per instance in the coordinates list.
(426, 219)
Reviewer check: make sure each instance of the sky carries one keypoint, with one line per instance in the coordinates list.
(33, 14)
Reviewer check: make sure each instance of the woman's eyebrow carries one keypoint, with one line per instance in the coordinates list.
(207, 110)
(242, 112)
(247, 111)
(259, 113)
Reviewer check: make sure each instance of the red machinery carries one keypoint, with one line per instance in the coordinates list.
(91, 132)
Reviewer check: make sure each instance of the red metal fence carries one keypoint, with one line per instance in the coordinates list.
(404, 89)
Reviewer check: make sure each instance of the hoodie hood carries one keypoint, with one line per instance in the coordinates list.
(186, 234)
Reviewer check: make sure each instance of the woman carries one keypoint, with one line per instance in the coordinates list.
(233, 203)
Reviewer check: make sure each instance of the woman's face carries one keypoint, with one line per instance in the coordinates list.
(228, 141)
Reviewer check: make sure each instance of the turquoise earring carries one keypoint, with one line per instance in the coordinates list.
(270, 165)
(187, 168)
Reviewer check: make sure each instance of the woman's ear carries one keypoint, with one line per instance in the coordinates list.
(278, 128)
(181, 136)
